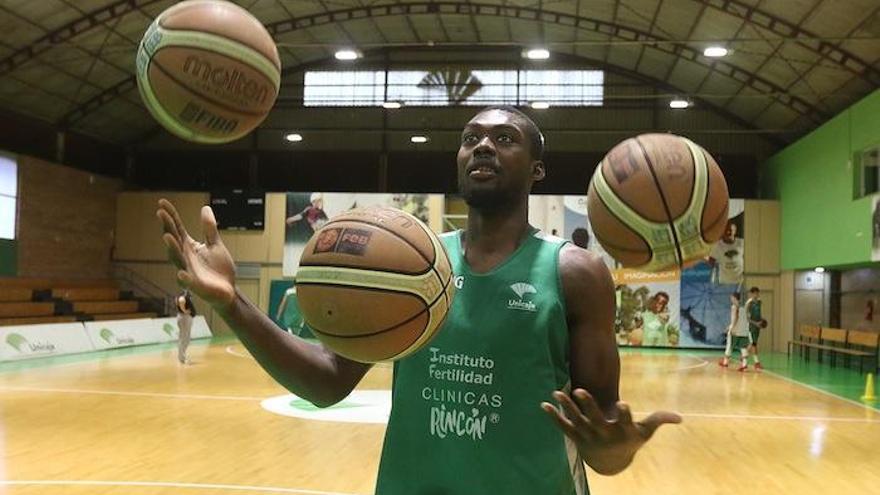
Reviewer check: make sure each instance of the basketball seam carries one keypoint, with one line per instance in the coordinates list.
(395, 234)
(662, 200)
(219, 35)
(354, 267)
(185, 87)
(384, 330)
(706, 203)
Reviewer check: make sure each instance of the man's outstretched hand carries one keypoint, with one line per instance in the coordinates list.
(608, 445)
(205, 268)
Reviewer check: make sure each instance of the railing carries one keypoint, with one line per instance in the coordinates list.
(138, 283)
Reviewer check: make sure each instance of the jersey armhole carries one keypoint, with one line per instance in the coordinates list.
(559, 287)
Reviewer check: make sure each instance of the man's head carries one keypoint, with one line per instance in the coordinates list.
(735, 297)
(499, 158)
(581, 237)
(754, 293)
(729, 232)
(660, 300)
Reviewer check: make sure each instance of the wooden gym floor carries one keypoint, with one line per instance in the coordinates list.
(134, 422)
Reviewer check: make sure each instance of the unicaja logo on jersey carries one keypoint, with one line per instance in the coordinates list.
(521, 289)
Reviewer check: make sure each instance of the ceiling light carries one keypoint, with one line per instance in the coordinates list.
(538, 54)
(391, 104)
(540, 105)
(819, 269)
(418, 139)
(294, 137)
(679, 104)
(346, 54)
(715, 51)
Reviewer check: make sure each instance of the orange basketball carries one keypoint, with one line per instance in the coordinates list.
(374, 284)
(208, 71)
(657, 201)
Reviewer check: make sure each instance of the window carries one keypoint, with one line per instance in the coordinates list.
(868, 163)
(8, 195)
(454, 86)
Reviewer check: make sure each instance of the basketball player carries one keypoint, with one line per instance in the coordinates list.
(756, 320)
(727, 257)
(469, 413)
(313, 214)
(186, 311)
(737, 333)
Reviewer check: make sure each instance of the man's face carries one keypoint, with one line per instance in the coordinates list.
(660, 303)
(730, 232)
(755, 295)
(495, 167)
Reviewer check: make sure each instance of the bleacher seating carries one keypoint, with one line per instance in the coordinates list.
(33, 320)
(123, 316)
(26, 301)
(12, 294)
(15, 309)
(86, 293)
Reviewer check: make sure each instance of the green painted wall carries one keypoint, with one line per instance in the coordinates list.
(8, 258)
(822, 225)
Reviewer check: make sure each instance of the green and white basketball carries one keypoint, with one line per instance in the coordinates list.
(208, 71)
(658, 202)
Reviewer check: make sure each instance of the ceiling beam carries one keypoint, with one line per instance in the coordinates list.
(617, 31)
(827, 50)
(70, 30)
(771, 135)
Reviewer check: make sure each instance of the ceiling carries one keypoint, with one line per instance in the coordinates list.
(793, 63)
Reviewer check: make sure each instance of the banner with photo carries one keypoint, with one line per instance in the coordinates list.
(307, 212)
(688, 308)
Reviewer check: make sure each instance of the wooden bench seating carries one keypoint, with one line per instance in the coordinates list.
(837, 341)
(18, 309)
(33, 320)
(54, 283)
(13, 294)
(105, 307)
(123, 316)
(87, 294)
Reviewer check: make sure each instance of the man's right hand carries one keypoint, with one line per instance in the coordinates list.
(206, 268)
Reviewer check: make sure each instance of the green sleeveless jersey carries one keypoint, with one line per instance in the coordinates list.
(754, 314)
(466, 416)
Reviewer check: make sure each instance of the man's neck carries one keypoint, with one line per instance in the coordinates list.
(491, 236)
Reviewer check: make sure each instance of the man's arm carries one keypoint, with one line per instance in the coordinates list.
(207, 269)
(600, 425)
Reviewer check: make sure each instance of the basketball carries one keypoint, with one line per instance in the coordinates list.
(374, 284)
(657, 202)
(763, 323)
(208, 71)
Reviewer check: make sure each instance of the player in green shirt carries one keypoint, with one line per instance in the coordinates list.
(533, 319)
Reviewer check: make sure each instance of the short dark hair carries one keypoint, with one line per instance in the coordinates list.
(737, 295)
(536, 139)
(754, 289)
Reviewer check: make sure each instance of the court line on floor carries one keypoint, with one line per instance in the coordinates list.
(835, 419)
(699, 365)
(170, 484)
(131, 394)
(260, 399)
(816, 389)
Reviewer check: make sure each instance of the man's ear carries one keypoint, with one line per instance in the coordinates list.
(538, 172)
